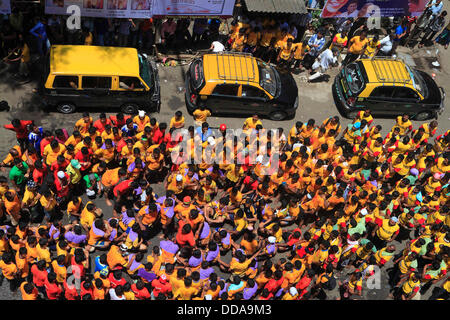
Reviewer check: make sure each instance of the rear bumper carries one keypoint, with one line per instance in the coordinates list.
(343, 107)
(442, 105)
(156, 98)
(187, 97)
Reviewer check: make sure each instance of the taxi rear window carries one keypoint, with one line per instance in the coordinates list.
(196, 71)
(354, 78)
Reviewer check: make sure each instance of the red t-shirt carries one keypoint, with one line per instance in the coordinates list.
(83, 291)
(159, 287)
(121, 188)
(158, 137)
(39, 277)
(184, 239)
(39, 175)
(142, 294)
(100, 126)
(253, 185)
(53, 290)
(120, 144)
(61, 188)
(21, 131)
(55, 167)
(114, 281)
(70, 293)
(84, 158)
(119, 124)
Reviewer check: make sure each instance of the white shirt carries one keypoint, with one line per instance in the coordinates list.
(326, 58)
(218, 47)
(112, 294)
(386, 44)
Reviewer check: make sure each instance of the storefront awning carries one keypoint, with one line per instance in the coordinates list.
(276, 6)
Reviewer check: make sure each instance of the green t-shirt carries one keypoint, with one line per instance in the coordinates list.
(359, 228)
(88, 181)
(412, 179)
(18, 175)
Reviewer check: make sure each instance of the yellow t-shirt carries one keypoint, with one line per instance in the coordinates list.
(357, 45)
(200, 115)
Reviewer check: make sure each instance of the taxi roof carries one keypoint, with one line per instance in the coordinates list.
(236, 67)
(93, 60)
(386, 71)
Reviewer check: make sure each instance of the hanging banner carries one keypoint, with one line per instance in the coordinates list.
(372, 8)
(5, 7)
(193, 7)
(103, 8)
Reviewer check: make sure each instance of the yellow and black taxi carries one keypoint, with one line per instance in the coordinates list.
(93, 76)
(388, 87)
(238, 84)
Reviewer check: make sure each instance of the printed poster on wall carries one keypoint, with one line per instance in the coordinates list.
(5, 7)
(372, 8)
(103, 8)
(193, 7)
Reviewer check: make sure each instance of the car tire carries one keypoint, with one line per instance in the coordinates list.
(422, 116)
(66, 108)
(277, 116)
(129, 108)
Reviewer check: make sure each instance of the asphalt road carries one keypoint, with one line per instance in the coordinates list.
(315, 102)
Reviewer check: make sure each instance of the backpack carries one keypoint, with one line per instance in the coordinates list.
(331, 283)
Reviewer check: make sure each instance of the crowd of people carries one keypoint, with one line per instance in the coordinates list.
(297, 48)
(335, 203)
(289, 41)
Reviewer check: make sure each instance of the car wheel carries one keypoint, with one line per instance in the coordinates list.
(351, 114)
(423, 116)
(129, 108)
(277, 116)
(66, 108)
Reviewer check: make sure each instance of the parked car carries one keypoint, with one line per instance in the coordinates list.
(239, 84)
(388, 87)
(94, 76)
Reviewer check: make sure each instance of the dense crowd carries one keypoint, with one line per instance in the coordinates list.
(336, 202)
(298, 45)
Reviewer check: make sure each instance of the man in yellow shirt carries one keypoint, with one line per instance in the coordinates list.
(358, 45)
(84, 123)
(372, 47)
(339, 41)
(201, 114)
(299, 51)
(285, 54)
(252, 122)
(52, 150)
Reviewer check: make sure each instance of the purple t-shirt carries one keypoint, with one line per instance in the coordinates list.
(169, 246)
(97, 231)
(250, 292)
(205, 231)
(148, 276)
(134, 264)
(56, 235)
(211, 255)
(126, 219)
(75, 238)
(205, 273)
(168, 212)
(195, 262)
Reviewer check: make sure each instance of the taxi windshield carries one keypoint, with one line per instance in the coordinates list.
(418, 82)
(354, 78)
(144, 71)
(267, 78)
